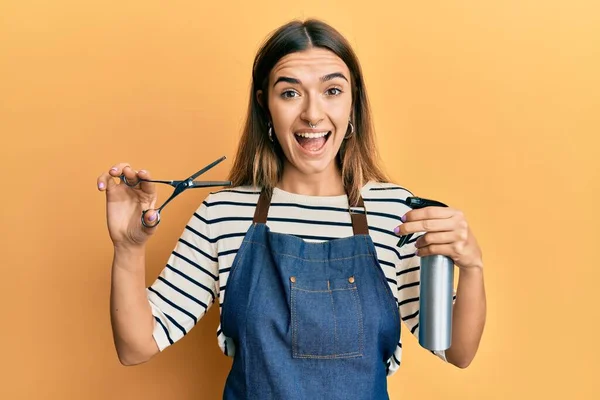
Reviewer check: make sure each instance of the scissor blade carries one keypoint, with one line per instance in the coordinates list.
(203, 170)
(172, 183)
(201, 184)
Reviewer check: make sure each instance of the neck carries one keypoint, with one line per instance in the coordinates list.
(325, 183)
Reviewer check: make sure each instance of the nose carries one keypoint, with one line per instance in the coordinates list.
(313, 110)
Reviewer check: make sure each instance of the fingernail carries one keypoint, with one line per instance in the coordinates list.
(114, 169)
(101, 185)
(152, 217)
(397, 229)
(403, 218)
(142, 171)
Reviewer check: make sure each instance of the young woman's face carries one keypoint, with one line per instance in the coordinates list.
(312, 86)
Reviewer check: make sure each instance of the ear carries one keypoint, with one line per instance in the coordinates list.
(261, 101)
(259, 98)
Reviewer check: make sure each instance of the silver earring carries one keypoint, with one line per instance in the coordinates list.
(348, 136)
(270, 132)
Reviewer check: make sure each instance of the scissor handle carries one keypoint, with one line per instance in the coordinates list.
(137, 182)
(155, 223)
(125, 181)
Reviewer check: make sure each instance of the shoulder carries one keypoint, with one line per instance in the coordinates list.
(386, 197)
(228, 201)
(228, 211)
(385, 190)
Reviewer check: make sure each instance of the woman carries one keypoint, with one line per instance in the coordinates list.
(311, 293)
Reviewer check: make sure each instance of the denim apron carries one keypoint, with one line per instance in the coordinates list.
(308, 320)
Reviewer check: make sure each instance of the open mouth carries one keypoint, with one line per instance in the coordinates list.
(312, 142)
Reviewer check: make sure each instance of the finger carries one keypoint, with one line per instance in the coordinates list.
(130, 175)
(117, 169)
(105, 182)
(151, 219)
(437, 238)
(435, 249)
(429, 213)
(428, 225)
(147, 187)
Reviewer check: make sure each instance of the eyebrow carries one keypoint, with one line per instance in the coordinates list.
(324, 78)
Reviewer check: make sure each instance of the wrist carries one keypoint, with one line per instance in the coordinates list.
(474, 271)
(128, 251)
(129, 247)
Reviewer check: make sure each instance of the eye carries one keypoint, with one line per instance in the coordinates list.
(334, 91)
(289, 94)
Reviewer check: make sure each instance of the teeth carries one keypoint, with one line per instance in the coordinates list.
(312, 135)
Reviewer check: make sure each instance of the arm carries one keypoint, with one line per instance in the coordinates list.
(468, 319)
(131, 319)
(148, 320)
(131, 316)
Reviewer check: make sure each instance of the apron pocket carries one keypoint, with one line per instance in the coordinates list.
(326, 318)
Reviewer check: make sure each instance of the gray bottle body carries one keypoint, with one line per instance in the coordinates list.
(435, 302)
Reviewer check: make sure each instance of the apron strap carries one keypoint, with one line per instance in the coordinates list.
(358, 213)
(262, 207)
(359, 219)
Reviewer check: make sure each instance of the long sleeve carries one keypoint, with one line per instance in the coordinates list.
(187, 286)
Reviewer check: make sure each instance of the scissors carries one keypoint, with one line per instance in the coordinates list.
(180, 186)
(415, 203)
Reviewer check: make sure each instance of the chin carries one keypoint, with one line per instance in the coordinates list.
(315, 165)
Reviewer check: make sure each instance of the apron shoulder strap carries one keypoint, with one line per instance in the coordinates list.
(262, 207)
(359, 218)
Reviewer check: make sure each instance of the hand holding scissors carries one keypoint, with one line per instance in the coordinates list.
(137, 195)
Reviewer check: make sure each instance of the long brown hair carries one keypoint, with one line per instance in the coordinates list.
(259, 162)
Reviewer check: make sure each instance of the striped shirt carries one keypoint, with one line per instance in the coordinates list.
(197, 270)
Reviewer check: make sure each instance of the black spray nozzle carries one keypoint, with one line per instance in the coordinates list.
(415, 203)
(418, 202)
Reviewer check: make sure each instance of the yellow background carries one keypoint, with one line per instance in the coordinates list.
(489, 106)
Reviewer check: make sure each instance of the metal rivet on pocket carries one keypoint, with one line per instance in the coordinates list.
(351, 279)
(293, 279)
